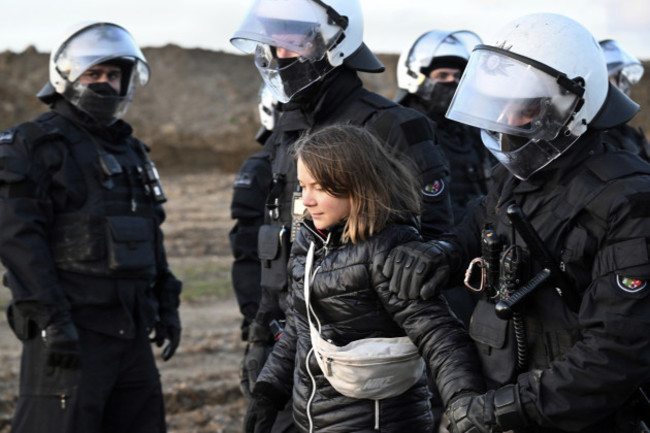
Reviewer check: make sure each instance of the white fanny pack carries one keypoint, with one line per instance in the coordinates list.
(370, 368)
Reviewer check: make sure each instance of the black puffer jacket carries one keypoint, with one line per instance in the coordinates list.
(350, 296)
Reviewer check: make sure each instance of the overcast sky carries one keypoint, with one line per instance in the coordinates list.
(390, 25)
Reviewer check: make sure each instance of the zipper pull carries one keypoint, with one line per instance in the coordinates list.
(63, 397)
(328, 367)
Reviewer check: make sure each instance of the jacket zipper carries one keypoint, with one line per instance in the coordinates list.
(328, 361)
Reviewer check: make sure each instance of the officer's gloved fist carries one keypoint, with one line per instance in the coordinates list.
(168, 327)
(494, 411)
(260, 415)
(260, 345)
(417, 270)
(61, 342)
(263, 409)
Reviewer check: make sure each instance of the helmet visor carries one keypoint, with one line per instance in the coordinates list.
(299, 26)
(504, 93)
(521, 156)
(286, 77)
(620, 60)
(267, 107)
(98, 44)
(441, 44)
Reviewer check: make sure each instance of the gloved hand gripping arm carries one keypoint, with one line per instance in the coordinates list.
(420, 269)
(263, 408)
(495, 411)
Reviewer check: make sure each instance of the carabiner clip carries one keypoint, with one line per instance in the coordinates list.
(468, 274)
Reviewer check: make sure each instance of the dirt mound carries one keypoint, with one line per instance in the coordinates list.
(199, 110)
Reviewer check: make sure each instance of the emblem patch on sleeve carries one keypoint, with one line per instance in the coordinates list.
(434, 188)
(630, 285)
(243, 180)
(7, 136)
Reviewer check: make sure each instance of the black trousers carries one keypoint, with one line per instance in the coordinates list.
(117, 389)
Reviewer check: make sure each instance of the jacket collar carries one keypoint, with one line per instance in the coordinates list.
(113, 134)
(329, 237)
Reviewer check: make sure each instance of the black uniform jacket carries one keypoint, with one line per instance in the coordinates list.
(350, 297)
(590, 208)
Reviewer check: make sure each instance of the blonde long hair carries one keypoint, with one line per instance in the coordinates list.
(350, 161)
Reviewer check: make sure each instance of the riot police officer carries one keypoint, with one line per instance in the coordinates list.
(251, 186)
(428, 73)
(309, 53)
(81, 242)
(252, 183)
(559, 246)
(624, 72)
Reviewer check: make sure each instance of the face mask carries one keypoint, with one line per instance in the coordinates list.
(441, 97)
(101, 101)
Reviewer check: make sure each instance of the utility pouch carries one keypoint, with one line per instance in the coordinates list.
(273, 249)
(130, 243)
(23, 327)
(494, 342)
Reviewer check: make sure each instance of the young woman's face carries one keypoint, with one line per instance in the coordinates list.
(324, 209)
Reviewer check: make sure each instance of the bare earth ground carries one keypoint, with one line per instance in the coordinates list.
(200, 382)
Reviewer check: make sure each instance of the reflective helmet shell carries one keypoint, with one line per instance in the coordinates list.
(339, 23)
(535, 90)
(431, 45)
(85, 45)
(565, 45)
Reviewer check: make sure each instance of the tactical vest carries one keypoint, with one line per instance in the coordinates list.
(572, 224)
(114, 232)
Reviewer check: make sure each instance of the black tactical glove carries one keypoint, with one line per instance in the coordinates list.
(494, 411)
(260, 345)
(417, 269)
(168, 327)
(263, 409)
(61, 342)
(260, 415)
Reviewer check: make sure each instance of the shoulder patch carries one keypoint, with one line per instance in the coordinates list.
(630, 285)
(434, 188)
(7, 136)
(243, 180)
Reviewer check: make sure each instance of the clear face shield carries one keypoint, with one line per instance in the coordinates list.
(100, 44)
(267, 107)
(623, 68)
(290, 40)
(523, 108)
